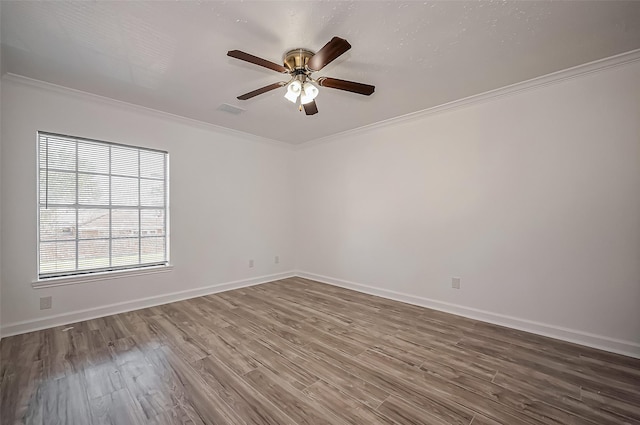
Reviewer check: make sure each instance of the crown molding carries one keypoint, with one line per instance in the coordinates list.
(83, 95)
(531, 84)
(512, 89)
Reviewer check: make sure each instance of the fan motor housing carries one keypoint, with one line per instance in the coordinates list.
(296, 59)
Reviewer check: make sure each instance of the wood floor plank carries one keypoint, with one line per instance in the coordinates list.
(10, 392)
(110, 326)
(483, 420)
(349, 383)
(527, 404)
(292, 372)
(266, 324)
(115, 408)
(175, 406)
(600, 405)
(446, 392)
(573, 364)
(28, 378)
(286, 399)
(60, 401)
(229, 355)
(195, 392)
(147, 388)
(192, 347)
(404, 413)
(535, 381)
(253, 407)
(177, 415)
(596, 381)
(295, 351)
(273, 303)
(431, 399)
(399, 354)
(343, 406)
(102, 379)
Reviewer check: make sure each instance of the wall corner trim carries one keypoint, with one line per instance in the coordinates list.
(17, 328)
(627, 348)
(83, 95)
(522, 86)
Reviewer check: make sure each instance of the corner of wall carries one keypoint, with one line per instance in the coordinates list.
(500, 189)
(626, 348)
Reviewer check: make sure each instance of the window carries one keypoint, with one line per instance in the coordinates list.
(101, 207)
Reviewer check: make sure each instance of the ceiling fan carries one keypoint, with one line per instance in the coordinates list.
(300, 64)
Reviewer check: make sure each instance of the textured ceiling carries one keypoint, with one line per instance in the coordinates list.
(171, 56)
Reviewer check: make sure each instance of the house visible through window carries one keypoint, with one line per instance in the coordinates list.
(102, 206)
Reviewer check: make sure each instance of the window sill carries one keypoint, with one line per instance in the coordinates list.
(93, 277)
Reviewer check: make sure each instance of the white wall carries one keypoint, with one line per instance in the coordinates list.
(532, 199)
(231, 201)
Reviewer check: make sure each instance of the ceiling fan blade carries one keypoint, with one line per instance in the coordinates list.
(261, 90)
(256, 60)
(328, 53)
(351, 86)
(310, 108)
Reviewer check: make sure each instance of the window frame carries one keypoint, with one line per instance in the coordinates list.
(110, 272)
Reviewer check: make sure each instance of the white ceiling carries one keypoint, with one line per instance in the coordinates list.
(171, 56)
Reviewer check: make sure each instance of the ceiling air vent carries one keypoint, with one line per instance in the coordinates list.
(230, 108)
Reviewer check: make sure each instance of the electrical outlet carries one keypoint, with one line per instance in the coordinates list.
(45, 303)
(250, 263)
(277, 259)
(455, 282)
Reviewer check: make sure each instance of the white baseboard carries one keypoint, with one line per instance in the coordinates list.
(16, 328)
(627, 348)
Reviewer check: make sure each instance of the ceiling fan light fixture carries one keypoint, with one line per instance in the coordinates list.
(309, 92)
(293, 91)
(300, 64)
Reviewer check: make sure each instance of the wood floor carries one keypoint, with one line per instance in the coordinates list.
(300, 352)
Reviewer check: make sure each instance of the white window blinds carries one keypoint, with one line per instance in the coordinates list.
(102, 206)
